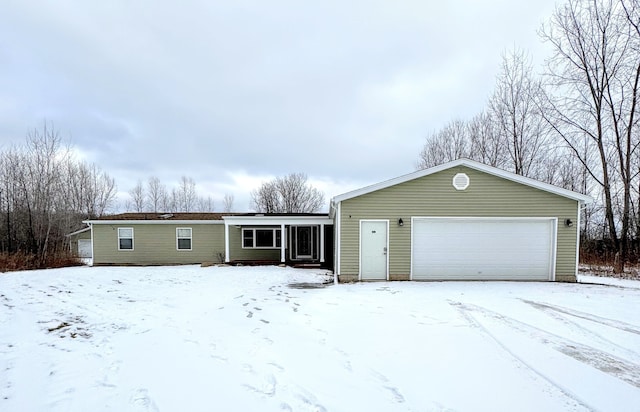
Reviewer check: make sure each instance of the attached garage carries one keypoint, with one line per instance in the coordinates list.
(462, 220)
(483, 248)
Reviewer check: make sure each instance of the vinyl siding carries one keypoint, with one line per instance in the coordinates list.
(156, 244)
(434, 195)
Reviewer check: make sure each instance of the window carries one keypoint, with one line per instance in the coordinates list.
(183, 238)
(125, 238)
(261, 238)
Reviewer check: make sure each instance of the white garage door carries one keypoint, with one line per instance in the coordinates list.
(483, 248)
(84, 248)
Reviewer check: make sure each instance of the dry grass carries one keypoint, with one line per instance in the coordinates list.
(24, 261)
(606, 270)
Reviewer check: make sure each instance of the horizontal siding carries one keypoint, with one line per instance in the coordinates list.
(156, 244)
(434, 195)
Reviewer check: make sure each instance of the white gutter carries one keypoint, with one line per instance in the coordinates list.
(277, 220)
(153, 222)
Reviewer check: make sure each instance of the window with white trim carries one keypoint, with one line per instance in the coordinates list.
(270, 238)
(125, 238)
(183, 238)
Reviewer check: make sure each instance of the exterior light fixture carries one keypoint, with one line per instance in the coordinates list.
(400, 222)
(568, 222)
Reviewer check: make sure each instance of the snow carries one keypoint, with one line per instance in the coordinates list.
(611, 281)
(241, 338)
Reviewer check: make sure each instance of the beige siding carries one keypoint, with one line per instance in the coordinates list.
(156, 244)
(434, 195)
(237, 252)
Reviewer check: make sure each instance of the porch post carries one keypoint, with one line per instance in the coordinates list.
(282, 243)
(226, 242)
(321, 242)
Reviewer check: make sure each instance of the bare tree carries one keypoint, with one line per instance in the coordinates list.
(156, 195)
(138, 197)
(485, 145)
(187, 194)
(205, 204)
(450, 143)
(520, 126)
(288, 194)
(227, 203)
(595, 72)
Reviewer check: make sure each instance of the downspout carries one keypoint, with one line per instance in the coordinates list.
(282, 243)
(93, 251)
(336, 236)
(226, 242)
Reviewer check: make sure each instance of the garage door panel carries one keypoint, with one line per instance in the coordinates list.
(476, 248)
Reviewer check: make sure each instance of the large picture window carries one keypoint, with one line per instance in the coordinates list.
(261, 238)
(183, 238)
(125, 238)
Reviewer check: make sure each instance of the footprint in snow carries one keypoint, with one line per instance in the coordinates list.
(249, 314)
(397, 396)
(141, 400)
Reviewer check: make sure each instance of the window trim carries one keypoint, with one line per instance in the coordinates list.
(255, 237)
(126, 237)
(183, 237)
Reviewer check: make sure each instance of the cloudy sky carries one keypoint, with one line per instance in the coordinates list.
(232, 93)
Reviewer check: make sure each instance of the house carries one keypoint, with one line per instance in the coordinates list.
(462, 220)
(189, 238)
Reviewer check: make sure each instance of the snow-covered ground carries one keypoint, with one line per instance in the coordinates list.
(241, 339)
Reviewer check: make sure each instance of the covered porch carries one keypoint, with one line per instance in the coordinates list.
(295, 239)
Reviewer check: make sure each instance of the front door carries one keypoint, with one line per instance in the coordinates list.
(304, 242)
(373, 249)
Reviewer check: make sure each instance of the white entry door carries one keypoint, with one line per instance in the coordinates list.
(373, 249)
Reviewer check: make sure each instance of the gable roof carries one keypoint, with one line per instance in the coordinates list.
(472, 165)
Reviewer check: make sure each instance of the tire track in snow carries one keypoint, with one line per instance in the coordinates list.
(612, 365)
(627, 327)
(465, 310)
(558, 313)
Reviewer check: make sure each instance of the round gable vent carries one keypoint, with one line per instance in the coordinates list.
(461, 181)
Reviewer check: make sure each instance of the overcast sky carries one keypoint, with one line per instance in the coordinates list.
(232, 93)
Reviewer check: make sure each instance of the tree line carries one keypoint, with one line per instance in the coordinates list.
(156, 197)
(45, 193)
(575, 125)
